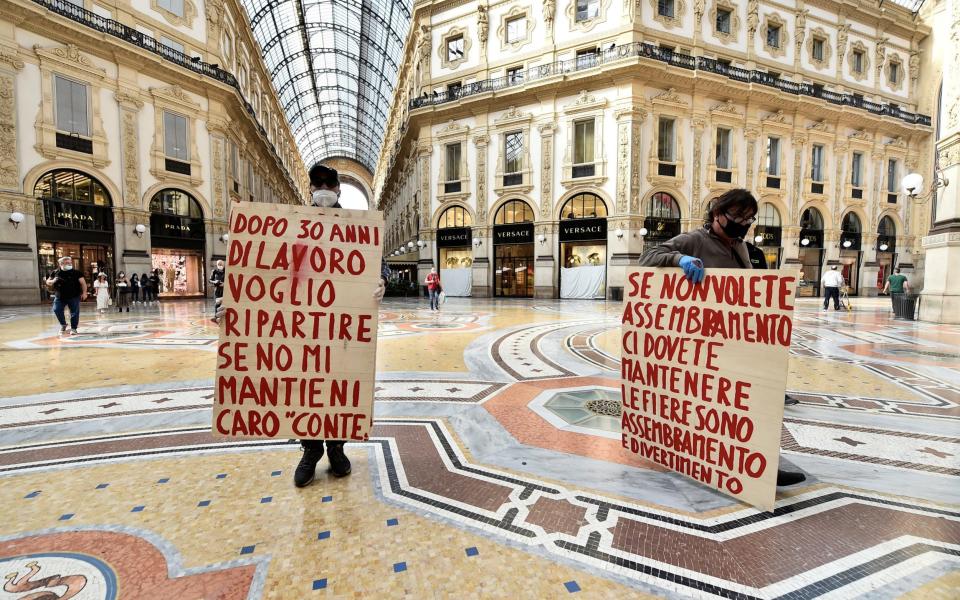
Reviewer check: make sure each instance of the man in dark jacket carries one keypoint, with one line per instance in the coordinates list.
(217, 280)
(325, 193)
(69, 289)
(719, 245)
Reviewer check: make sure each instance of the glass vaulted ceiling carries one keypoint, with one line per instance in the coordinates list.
(334, 65)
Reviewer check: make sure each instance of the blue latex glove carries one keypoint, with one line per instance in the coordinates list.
(692, 268)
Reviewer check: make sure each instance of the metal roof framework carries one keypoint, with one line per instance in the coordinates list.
(333, 64)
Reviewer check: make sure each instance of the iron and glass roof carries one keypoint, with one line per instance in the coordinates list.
(334, 65)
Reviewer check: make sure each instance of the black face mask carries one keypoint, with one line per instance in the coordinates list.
(734, 230)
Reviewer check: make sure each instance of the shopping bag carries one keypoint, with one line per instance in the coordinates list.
(443, 297)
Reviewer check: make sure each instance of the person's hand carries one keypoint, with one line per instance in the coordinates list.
(380, 291)
(220, 310)
(83, 297)
(692, 268)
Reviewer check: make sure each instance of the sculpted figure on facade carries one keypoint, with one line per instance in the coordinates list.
(842, 33)
(881, 52)
(549, 9)
(801, 25)
(483, 26)
(753, 18)
(698, 7)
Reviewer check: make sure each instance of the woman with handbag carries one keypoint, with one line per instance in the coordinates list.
(102, 287)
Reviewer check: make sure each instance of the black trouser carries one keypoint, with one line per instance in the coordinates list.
(831, 292)
(893, 300)
(318, 444)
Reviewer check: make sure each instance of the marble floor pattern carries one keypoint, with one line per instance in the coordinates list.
(494, 469)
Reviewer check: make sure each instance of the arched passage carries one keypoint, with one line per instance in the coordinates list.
(851, 235)
(76, 220)
(768, 234)
(177, 240)
(583, 247)
(454, 252)
(513, 250)
(811, 251)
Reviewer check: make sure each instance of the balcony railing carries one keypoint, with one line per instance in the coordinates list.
(131, 35)
(685, 61)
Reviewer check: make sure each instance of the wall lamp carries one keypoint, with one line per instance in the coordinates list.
(847, 243)
(477, 242)
(913, 184)
(410, 245)
(804, 242)
(618, 233)
(541, 238)
(758, 239)
(225, 238)
(643, 232)
(883, 247)
(421, 244)
(16, 218)
(140, 229)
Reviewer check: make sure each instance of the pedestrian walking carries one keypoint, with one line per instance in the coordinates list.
(69, 290)
(217, 278)
(433, 288)
(123, 292)
(832, 281)
(718, 244)
(101, 288)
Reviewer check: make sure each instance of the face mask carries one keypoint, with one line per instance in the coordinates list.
(734, 230)
(67, 267)
(324, 198)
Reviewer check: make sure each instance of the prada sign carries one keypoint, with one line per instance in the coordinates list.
(452, 237)
(520, 233)
(583, 230)
(771, 235)
(170, 226)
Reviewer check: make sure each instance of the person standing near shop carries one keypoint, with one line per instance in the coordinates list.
(123, 292)
(69, 289)
(135, 288)
(217, 280)
(144, 289)
(717, 245)
(832, 281)
(155, 285)
(102, 290)
(896, 285)
(433, 288)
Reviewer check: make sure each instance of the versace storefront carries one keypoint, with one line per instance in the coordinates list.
(513, 250)
(76, 220)
(177, 236)
(583, 248)
(454, 239)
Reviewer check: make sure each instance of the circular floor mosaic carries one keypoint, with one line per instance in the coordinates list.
(593, 409)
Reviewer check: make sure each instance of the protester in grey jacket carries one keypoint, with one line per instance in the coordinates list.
(717, 245)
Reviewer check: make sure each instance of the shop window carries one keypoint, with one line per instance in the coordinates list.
(73, 200)
(583, 148)
(768, 216)
(514, 211)
(71, 106)
(662, 217)
(850, 223)
(455, 216)
(175, 203)
(584, 206)
(811, 219)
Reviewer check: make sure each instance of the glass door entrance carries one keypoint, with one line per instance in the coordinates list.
(89, 259)
(513, 270)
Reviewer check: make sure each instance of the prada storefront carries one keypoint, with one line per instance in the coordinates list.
(177, 237)
(583, 248)
(455, 252)
(77, 221)
(513, 250)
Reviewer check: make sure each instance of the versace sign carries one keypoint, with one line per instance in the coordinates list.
(582, 230)
(454, 237)
(520, 233)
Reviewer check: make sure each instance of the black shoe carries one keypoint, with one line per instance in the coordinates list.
(339, 463)
(789, 477)
(307, 466)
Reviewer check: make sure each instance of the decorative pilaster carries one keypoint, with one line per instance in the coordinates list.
(629, 127)
(481, 142)
(699, 124)
(752, 133)
(546, 170)
(799, 141)
(423, 158)
(130, 105)
(10, 63)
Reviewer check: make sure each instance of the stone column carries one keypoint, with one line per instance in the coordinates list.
(424, 154)
(791, 229)
(624, 252)
(482, 253)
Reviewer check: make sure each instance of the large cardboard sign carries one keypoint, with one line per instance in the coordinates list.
(298, 343)
(704, 370)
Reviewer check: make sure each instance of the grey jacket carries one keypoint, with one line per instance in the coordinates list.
(700, 243)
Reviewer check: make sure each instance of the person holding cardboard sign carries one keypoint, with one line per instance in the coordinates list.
(325, 192)
(718, 244)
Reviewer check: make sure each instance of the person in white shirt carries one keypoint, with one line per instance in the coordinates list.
(832, 281)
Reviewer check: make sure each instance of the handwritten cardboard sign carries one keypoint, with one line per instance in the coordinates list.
(297, 350)
(704, 370)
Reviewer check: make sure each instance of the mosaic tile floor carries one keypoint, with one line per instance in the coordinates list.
(494, 471)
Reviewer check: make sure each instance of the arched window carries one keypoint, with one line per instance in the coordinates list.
(455, 216)
(851, 223)
(663, 206)
(514, 211)
(887, 227)
(769, 216)
(72, 186)
(584, 206)
(175, 203)
(811, 219)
